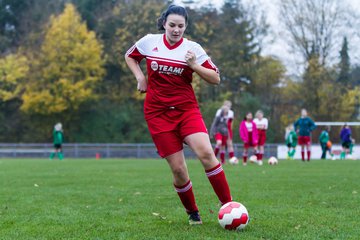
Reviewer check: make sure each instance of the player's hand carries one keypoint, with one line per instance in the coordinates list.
(190, 58)
(142, 85)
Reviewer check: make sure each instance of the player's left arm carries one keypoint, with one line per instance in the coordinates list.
(266, 124)
(312, 125)
(209, 75)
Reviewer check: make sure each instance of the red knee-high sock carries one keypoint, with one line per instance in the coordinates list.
(231, 154)
(219, 183)
(308, 155)
(245, 158)
(222, 157)
(216, 151)
(187, 197)
(303, 155)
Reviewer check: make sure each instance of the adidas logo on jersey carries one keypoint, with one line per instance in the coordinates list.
(155, 49)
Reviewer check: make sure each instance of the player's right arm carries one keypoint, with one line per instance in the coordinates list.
(134, 56)
(138, 73)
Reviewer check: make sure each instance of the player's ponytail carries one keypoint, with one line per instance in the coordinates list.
(172, 9)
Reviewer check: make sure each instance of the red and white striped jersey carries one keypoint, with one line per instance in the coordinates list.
(261, 124)
(169, 76)
(229, 116)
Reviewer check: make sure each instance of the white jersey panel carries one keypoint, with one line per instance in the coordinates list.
(249, 126)
(230, 114)
(262, 124)
(152, 45)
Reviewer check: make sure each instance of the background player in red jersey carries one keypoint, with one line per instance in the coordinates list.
(219, 129)
(171, 109)
(249, 135)
(229, 122)
(261, 125)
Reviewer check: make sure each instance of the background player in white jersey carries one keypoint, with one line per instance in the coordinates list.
(229, 121)
(261, 125)
(219, 130)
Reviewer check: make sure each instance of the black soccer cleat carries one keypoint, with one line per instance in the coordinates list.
(194, 218)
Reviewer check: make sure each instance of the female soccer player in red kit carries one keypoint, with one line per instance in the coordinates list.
(229, 120)
(171, 109)
(219, 130)
(249, 134)
(261, 125)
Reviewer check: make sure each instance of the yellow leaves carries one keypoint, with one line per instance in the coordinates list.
(13, 69)
(42, 102)
(70, 66)
(349, 102)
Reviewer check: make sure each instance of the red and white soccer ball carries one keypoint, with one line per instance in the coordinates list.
(273, 161)
(253, 159)
(234, 161)
(233, 216)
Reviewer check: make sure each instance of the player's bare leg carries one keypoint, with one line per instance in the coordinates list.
(245, 155)
(183, 185)
(200, 144)
(257, 151)
(178, 168)
(219, 146)
(261, 152)
(222, 154)
(230, 147)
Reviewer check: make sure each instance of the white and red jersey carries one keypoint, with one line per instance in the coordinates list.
(169, 76)
(261, 124)
(229, 119)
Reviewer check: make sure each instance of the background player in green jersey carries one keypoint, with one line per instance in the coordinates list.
(291, 141)
(325, 142)
(58, 139)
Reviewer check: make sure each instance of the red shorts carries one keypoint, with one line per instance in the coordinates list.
(250, 142)
(169, 129)
(262, 137)
(304, 140)
(222, 138)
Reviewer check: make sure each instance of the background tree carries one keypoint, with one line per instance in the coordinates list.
(313, 25)
(344, 65)
(239, 29)
(13, 71)
(69, 68)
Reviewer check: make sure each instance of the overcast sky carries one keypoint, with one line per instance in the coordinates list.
(276, 46)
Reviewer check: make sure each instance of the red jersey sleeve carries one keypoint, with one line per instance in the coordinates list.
(210, 65)
(134, 53)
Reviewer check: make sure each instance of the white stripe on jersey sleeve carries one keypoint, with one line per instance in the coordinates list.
(130, 50)
(143, 44)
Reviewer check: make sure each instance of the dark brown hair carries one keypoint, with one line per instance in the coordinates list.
(172, 9)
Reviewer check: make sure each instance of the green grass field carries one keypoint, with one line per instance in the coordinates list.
(134, 199)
